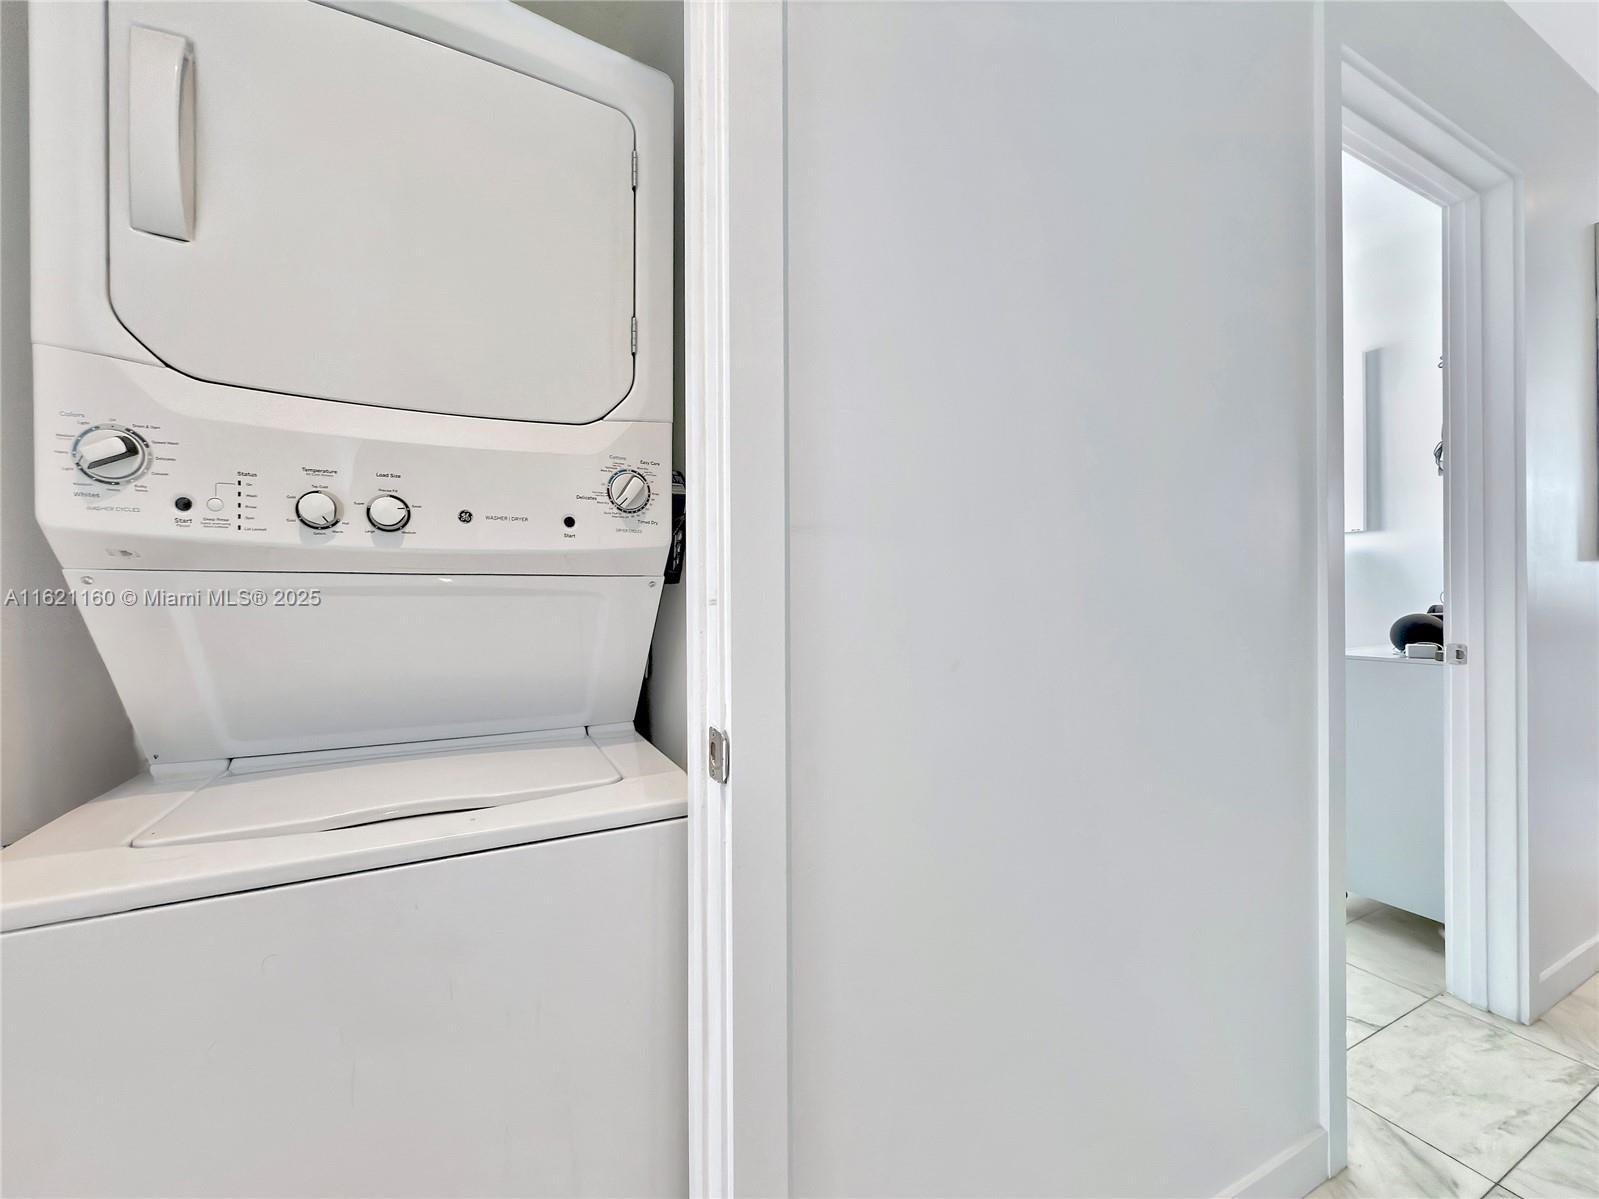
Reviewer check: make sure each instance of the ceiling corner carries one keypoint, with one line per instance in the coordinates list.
(1571, 27)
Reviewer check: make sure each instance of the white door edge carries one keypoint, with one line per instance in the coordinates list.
(738, 628)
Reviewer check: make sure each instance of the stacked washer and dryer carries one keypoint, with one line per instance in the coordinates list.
(352, 332)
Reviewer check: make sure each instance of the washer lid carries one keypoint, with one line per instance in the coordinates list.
(347, 794)
(306, 201)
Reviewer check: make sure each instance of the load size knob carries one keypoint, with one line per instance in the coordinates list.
(317, 510)
(110, 454)
(388, 513)
(629, 491)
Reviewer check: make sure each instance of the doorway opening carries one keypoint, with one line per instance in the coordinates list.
(1396, 748)
(1461, 552)
(1443, 1097)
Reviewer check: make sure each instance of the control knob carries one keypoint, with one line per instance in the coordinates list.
(110, 454)
(629, 491)
(317, 510)
(388, 512)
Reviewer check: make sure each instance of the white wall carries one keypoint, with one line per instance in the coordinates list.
(651, 32)
(1052, 559)
(64, 737)
(1393, 304)
(1484, 70)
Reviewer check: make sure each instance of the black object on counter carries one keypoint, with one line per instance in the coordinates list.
(1418, 626)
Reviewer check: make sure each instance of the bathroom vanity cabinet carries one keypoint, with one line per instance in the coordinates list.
(1397, 708)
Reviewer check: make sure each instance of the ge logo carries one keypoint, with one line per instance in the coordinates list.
(464, 516)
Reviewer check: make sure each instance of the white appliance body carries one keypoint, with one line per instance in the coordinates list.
(508, 1023)
(414, 283)
(353, 391)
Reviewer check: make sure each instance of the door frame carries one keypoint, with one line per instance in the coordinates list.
(1369, 114)
(736, 394)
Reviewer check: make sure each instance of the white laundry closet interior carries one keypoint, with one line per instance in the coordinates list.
(356, 389)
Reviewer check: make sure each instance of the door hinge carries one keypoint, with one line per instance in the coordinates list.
(632, 335)
(1455, 654)
(635, 170)
(718, 762)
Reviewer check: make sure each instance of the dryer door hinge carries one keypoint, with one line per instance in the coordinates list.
(635, 170)
(1455, 654)
(717, 763)
(632, 335)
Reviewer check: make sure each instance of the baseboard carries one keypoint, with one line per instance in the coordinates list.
(1564, 976)
(1291, 1174)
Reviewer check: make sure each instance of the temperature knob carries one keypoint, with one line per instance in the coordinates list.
(628, 490)
(110, 454)
(388, 512)
(317, 510)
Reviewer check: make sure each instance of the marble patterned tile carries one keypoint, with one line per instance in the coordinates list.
(1399, 947)
(1565, 1164)
(1385, 1161)
(1476, 1092)
(1501, 1193)
(1575, 1019)
(1372, 1003)
(1571, 1027)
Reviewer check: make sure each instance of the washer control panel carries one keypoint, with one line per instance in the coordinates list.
(318, 509)
(169, 483)
(388, 512)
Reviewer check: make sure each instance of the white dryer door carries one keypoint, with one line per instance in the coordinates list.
(370, 217)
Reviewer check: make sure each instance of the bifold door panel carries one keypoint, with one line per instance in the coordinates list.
(291, 209)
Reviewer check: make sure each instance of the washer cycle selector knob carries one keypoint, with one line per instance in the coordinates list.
(628, 490)
(110, 454)
(388, 512)
(317, 510)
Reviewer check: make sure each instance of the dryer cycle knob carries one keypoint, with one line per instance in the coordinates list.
(629, 491)
(317, 510)
(110, 454)
(388, 512)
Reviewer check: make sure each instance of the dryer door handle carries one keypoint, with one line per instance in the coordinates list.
(160, 133)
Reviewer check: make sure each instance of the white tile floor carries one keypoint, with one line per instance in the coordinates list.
(1448, 1102)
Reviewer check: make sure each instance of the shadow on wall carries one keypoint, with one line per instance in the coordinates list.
(64, 737)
